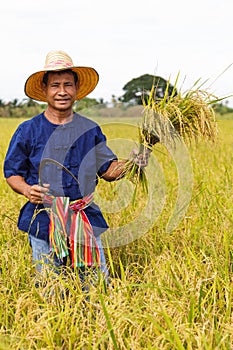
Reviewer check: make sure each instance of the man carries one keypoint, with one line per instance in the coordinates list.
(54, 160)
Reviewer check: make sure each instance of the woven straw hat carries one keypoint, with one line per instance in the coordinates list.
(57, 61)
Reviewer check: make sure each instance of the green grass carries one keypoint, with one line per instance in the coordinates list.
(169, 290)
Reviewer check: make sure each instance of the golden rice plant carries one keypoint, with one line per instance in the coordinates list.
(191, 114)
(184, 117)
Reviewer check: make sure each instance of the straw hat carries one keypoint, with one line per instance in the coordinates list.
(56, 61)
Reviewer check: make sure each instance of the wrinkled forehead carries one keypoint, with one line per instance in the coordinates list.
(66, 74)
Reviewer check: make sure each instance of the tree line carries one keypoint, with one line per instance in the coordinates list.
(135, 91)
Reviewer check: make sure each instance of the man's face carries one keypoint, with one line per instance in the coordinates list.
(60, 90)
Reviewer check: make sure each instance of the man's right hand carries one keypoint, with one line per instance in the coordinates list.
(35, 193)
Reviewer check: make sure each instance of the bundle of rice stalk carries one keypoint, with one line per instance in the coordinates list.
(174, 117)
(191, 114)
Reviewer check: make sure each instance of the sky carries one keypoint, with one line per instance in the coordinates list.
(122, 40)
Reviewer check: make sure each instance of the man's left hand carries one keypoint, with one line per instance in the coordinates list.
(141, 158)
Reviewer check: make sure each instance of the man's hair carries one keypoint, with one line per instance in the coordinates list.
(46, 75)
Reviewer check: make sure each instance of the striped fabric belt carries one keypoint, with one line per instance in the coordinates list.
(78, 240)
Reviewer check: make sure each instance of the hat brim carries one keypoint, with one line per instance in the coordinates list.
(87, 80)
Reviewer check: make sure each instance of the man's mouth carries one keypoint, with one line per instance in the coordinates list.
(63, 100)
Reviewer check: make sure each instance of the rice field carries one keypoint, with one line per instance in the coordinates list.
(168, 290)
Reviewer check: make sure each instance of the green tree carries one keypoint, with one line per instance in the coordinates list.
(2, 104)
(85, 103)
(139, 88)
(222, 108)
(30, 102)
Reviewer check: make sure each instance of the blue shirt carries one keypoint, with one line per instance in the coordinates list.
(79, 145)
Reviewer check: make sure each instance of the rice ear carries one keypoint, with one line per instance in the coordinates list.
(174, 117)
(191, 115)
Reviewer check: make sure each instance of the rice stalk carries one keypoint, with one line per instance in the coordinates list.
(174, 118)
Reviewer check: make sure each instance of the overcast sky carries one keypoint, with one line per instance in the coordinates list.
(121, 40)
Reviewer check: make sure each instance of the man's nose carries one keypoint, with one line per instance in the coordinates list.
(62, 90)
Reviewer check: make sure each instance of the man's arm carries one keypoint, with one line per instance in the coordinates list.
(33, 193)
(117, 168)
(115, 171)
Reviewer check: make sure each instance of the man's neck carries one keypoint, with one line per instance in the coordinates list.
(57, 117)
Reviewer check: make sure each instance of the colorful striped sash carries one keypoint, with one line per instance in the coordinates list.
(79, 242)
